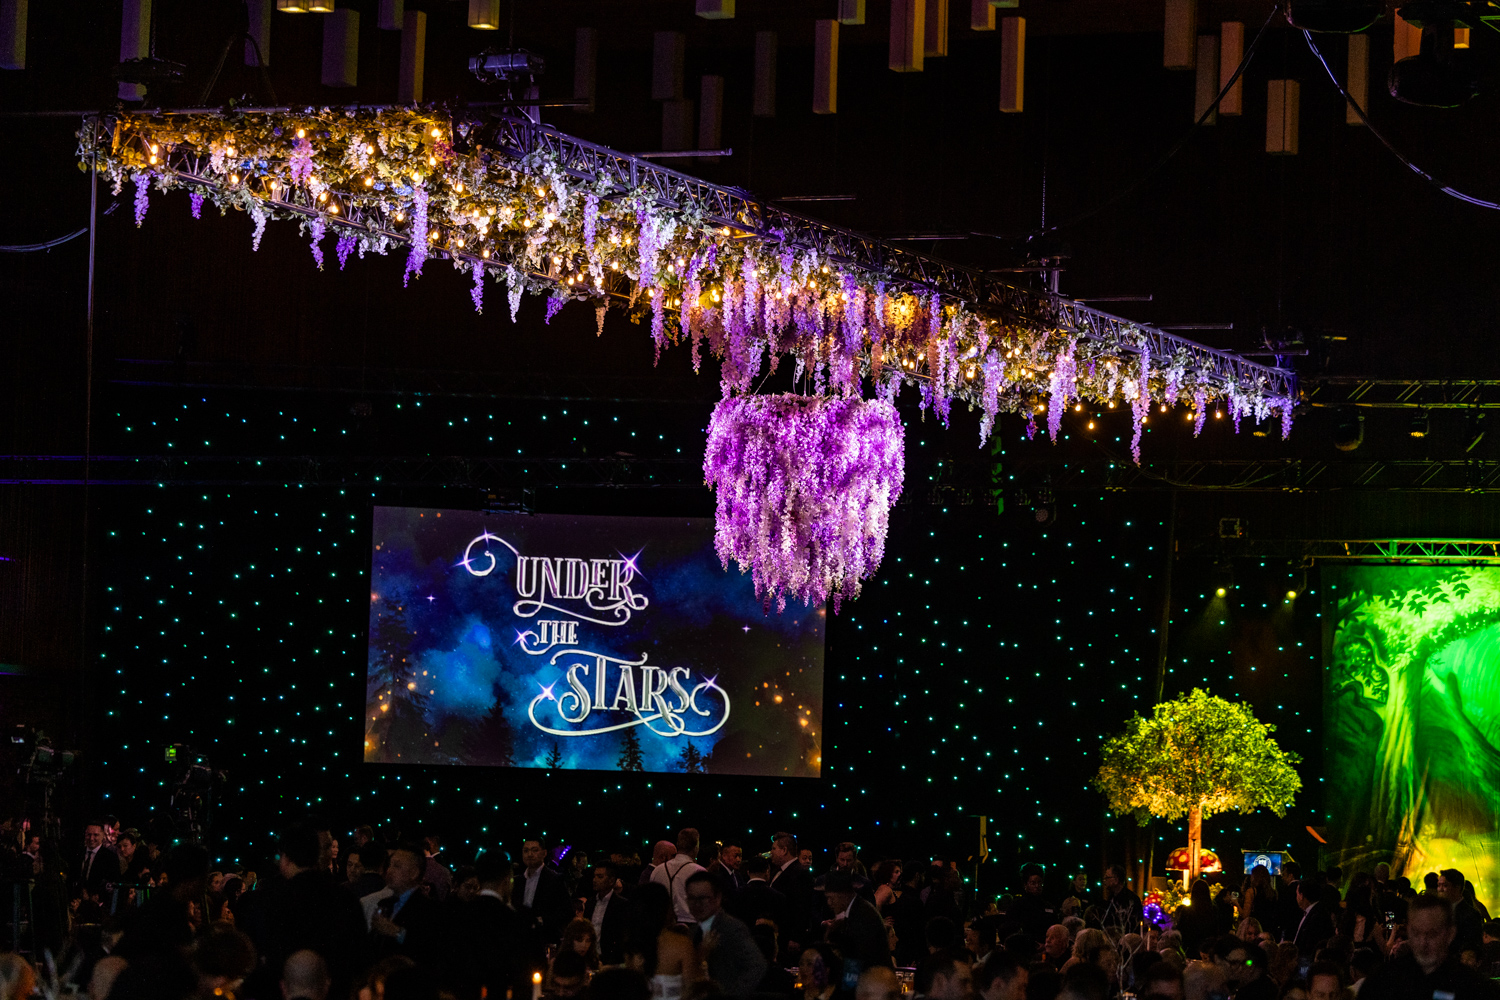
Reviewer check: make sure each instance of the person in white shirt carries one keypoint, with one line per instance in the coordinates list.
(674, 873)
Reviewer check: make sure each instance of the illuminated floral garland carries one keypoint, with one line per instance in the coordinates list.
(805, 487)
(423, 183)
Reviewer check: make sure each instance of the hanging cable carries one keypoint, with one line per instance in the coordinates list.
(1176, 147)
(34, 247)
(1450, 192)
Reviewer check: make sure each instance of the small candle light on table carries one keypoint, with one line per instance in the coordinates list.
(536, 986)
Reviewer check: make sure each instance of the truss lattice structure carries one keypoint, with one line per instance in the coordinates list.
(739, 211)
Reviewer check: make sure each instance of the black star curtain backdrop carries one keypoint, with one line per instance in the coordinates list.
(977, 675)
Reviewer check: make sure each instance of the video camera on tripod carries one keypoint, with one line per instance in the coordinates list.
(194, 782)
(41, 766)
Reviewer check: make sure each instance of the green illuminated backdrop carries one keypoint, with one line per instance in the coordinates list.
(1412, 712)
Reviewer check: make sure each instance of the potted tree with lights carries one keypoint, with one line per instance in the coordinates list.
(1198, 755)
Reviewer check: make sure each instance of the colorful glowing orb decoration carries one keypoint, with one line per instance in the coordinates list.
(1178, 861)
(805, 486)
(1153, 913)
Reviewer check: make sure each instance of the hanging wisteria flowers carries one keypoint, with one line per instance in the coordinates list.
(420, 181)
(804, 488)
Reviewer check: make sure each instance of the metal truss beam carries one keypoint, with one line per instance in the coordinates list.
(1404, 394)
(961, 482)
(331, 470)
(1431, 551)
(1281, 475)
(739, 211)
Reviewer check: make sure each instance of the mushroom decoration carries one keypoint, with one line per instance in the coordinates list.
(1180, 861)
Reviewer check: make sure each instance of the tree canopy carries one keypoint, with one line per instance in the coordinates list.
(1196, 750)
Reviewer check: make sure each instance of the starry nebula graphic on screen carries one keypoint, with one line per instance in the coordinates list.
(563, 641)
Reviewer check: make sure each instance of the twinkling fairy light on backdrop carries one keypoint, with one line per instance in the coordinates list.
(976, 675)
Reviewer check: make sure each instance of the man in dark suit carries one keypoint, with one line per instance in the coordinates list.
(306, 909)
(1316, 926)
(607, 910)
(541, 898)
(757, 900)
(793, 881)
(734, 960)
(727, 867)
(407, 922)
(99, 865)
(487, 954)
(856, 931)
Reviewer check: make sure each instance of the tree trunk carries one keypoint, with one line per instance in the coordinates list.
(1195, 844)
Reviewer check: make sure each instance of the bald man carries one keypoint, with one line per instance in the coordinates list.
(878, 983)
(661, 853)
(305, 976)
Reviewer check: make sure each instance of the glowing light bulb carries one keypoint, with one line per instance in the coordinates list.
(459, 187)
(302, 133)
(333, 209)
(369, 182)
(400, 216)
(1221, 592)
(272, 185)
(155, 148)
(153, 157)
(1291, 595)
(432, 161)
(485, 252)
(437, 133)
(1077, 407)
(323, 196)
(369, 148)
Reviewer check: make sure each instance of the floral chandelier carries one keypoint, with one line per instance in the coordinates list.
(805, 487)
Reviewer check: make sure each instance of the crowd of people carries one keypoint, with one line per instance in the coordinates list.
(129, 917)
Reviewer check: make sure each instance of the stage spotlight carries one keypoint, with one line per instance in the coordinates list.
(1439, 76)
(1343, 17)
(1349, 431)
(1476, 430)
(1224, 579)
(1420, 425)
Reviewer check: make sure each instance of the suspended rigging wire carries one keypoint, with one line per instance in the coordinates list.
(33, 247)
(1450, 192)
(1177, 146)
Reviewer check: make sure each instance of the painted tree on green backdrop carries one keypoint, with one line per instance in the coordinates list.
(1198, 755)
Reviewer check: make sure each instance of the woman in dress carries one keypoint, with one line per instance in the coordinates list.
(887, 879)
(1360, 924)
(1259, 900)
(1197, 918)
(579, 936)
(657, 948)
